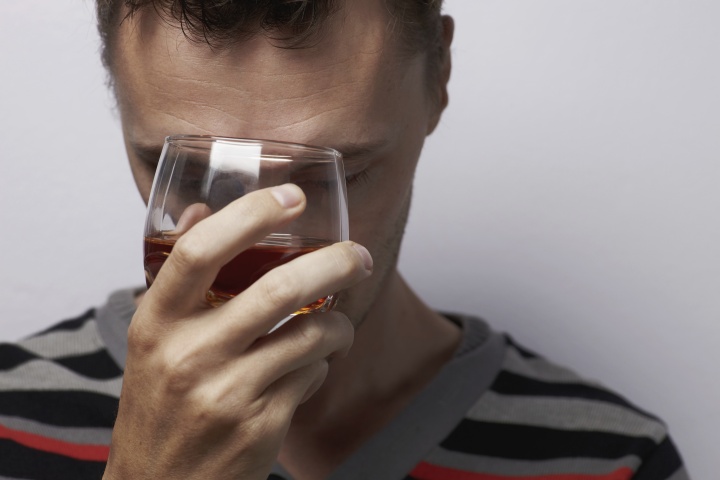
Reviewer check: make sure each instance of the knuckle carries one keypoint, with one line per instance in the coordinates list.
(140, 339)
(279, 288)
(265, 428)
(259, 421)
(188, 253)
(312, 331)
(249, 209)
(256, 209)
(178, 370)
(210, 407)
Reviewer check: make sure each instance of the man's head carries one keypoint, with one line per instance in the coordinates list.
(290, 23)
(367, 77)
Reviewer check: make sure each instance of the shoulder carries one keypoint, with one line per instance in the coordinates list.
(58, 398)
(539, 418)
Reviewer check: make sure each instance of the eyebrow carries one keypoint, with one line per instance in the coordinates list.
(150, 154)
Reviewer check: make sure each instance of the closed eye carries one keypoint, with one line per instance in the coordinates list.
(357, 179)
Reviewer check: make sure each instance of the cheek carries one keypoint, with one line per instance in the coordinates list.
(143, 179)
(377, 208)
(376, 211)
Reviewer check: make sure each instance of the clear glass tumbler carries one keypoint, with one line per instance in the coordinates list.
(199, 175)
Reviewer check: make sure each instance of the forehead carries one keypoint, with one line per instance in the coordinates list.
(351, 76)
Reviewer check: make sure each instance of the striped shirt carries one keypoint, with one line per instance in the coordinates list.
(495, 412)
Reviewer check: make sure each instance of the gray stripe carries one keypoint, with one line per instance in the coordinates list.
(13, 478)
(541, 369)
(433, 414)
(113, 321)
(513, 467)
(681, 474)
(565, 414)
(82, 435)
(40, 375)
(63, 343)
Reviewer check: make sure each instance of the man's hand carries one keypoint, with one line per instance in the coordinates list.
(207, 393)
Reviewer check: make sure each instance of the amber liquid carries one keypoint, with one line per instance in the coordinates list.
(243, 270)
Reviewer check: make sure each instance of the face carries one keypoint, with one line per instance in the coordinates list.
(351, 91)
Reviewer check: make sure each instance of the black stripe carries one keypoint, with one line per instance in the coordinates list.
(275, 477)
(536, 443)
(97, 365)
(61, 408)
(23, 462)
(71, 324)
(13, 355)
(663, 462)
(524, 352)
(508, 383)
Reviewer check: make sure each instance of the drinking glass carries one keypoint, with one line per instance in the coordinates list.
(198, 175)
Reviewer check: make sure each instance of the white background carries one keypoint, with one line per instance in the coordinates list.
(570, 195)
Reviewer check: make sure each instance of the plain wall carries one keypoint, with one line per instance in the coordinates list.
(569, 196)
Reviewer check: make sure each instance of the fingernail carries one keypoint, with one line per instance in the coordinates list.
(367, 258)
(287, 195)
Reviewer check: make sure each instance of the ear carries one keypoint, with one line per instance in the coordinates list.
(440, 90)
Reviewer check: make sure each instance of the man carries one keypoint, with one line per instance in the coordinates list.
(383, 387)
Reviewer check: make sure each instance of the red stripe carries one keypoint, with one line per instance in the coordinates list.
(96, 453)
(426, 471)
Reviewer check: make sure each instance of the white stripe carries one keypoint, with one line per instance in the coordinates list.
(681, 474)
(64, 343)
(565, 414)
(38, 375)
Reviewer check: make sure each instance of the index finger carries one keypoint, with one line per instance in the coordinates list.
(198, 255)
(286, 288)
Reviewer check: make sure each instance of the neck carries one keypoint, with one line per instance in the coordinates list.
(399, 348)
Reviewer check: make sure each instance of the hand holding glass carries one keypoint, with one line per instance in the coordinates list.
(199, 175)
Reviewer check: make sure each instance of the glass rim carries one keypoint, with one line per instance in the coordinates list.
(206, 141)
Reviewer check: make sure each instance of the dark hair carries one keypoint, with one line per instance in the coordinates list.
(290, 23)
